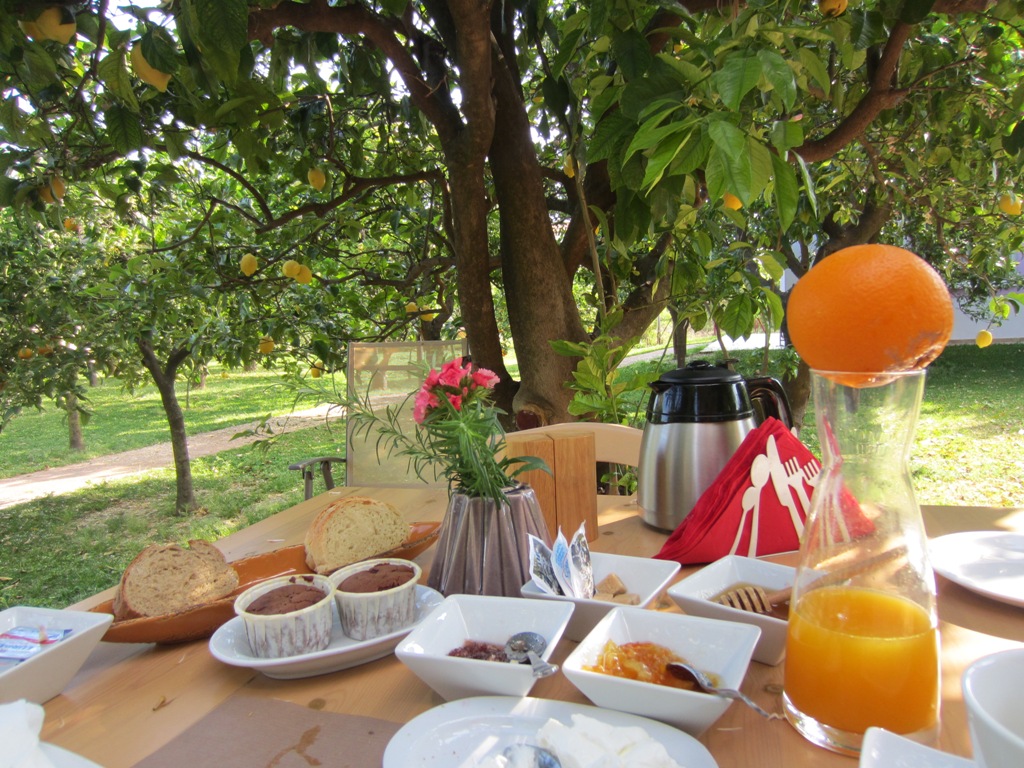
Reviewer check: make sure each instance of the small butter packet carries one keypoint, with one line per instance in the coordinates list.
(20, 643)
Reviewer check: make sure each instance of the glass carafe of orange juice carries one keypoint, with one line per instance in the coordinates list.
(863, 643)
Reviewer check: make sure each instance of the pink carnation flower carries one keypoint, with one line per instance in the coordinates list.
(425, 402)
(485, 378)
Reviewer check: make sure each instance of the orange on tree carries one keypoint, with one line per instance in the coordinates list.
(832, 8)
(290, 268)
(869, 309)
(266, 345)
(26, 353)
(248, 264)
(1010, 204)
(730, 201)
(70, 225)
(984, 338)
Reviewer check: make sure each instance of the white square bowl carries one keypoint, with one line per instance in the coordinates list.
(486, 619)
(643, 576)
(693, 594)
(48, 672)
(720, 648)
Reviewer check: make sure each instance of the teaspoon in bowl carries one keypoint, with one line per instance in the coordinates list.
(528, 646)
(686, 672)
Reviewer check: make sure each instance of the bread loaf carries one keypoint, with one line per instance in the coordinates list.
(166, 579)
(352, 529)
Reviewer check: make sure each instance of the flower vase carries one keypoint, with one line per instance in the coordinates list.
(483, 548)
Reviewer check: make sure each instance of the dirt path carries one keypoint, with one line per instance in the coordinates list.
(17, 490)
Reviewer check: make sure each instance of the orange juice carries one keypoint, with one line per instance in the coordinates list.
(857, 657)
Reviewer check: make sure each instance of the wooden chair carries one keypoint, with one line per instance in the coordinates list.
(384, 374)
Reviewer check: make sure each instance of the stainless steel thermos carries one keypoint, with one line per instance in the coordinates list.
(697, 417)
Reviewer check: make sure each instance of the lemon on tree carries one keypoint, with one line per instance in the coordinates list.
(317, 369)
(412, 308)
(1010, 204)
(248, 264)
(305, 276)
(317, 178)
(54, 23)
(266, 345)
(984, 338)
(290, 268)
(146, 72)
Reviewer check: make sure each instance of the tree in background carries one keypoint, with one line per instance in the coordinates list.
(668, 153)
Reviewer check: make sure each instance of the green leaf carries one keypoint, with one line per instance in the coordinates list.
(787, 134)
(780, 75)
(8, 188)
(114, 75)
(728, 138)
(651, 135)
(1015, 141)
(632, 53)
(664, 154)
(221, 29)
(736, 79)
(612, 131)
(772, 267)
(787, 191)
(775, 308)
(123, 129)
(815, 68)
(812, 198)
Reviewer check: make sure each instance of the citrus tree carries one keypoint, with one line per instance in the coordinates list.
(523, 144)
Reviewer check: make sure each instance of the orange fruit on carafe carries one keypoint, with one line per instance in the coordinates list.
(869, 309)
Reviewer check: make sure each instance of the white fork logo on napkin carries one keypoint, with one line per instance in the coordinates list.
(769, 466)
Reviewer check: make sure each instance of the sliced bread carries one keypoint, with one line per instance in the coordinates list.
(352, 529)
(168, 578)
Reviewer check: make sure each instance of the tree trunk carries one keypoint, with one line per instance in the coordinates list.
(75, 440)
(680, 331)
(185, 500)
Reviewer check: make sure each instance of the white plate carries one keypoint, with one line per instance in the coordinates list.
(464, 732)
(61, 758)
(882, 749)
(990, 563)
(229, 645)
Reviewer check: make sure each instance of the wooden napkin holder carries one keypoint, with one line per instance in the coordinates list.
(567, 496)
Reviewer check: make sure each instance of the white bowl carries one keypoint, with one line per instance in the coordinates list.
(366, 615)
(643, 576)
(693, 594)
(720, 648)
(991, 688)
(44, 675)
(276, 636)
(481, 618)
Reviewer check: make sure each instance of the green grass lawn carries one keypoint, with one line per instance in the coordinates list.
(969, 449)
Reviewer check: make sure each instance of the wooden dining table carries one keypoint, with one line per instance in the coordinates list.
(131, 700)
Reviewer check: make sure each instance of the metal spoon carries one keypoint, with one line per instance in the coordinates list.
(686, 672)
(529, 756)
(528, 646)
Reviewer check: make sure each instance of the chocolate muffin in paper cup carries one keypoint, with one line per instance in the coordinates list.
(376, 597)
(287, 616)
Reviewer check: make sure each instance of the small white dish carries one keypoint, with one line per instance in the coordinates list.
(643, 576)
(483, 619)
(229, 645)
(720, 648)
(61, 758)
(991, 689)
(884, 749)
(990, 563)
(467, 731)
(693, 594)
(47, 673)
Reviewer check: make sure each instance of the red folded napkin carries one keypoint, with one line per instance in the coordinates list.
(755, 506)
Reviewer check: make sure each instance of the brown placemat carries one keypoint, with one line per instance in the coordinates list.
(250, 732)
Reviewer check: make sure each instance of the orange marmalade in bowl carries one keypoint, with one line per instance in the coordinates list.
(646, 662)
